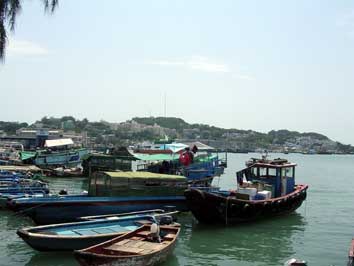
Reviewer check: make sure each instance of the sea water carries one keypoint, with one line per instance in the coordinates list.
(319, 232)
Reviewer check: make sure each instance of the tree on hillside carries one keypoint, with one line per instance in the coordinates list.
(9, 9)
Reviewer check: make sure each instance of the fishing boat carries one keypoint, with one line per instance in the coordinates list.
(109, 192)
(351, 254)
(9, 153)
(79, 235)
(57, 152)
(175, 159)
(135, 248)
(266, 188)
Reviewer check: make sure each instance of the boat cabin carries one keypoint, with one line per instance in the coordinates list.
(115, 184)
(276, 176)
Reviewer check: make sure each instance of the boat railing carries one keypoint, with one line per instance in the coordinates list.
(208, 189)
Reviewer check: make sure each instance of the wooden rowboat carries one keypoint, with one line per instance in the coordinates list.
(134, 248)
(80, 235)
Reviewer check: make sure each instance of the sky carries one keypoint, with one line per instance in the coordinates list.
(259, 65)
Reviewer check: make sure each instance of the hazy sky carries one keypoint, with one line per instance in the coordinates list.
(258, 65)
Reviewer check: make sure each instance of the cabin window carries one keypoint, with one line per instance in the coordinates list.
(262, 172)
(255, 172)
(272, 172)
(287, 172)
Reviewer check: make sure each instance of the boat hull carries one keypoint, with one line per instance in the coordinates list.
(47, 243)
(212, 208)
(68, 158)
(89, 259)
(98, 256)
(68, 209)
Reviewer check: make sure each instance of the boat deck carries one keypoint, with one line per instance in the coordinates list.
(90, 229)
(96, 230)
(138, 245)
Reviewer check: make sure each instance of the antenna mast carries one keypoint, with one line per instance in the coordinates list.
(165, 105)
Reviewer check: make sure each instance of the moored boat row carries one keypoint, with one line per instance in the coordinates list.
(93, 225)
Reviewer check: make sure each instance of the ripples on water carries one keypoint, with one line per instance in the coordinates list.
(319, 232)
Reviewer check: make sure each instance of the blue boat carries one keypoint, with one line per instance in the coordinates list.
(10, 176)
(23, 186)
(57, 152)
(5, 197)
(79, 235)
(16, 173)
(199, 170)
(109, 192)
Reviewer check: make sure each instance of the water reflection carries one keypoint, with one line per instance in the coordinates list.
(52, 259)
(265, 243)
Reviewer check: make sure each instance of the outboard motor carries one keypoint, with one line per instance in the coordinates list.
(166, 220)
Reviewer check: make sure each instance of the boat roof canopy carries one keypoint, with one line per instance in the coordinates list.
(268, 165)
(275, 163)
(144, 175)
(156, 157)
(58, 142)
(200, 146)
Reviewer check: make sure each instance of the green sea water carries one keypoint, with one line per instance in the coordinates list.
(319, 232)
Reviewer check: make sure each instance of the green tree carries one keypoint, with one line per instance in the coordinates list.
(9, 10)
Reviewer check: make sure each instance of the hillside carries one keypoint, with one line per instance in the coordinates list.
(140, 129)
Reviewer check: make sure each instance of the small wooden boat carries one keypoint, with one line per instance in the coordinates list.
(134, 248)
(266, 188)
(351, 254)
(79, 235)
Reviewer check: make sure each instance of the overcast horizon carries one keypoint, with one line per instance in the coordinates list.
(255, 65)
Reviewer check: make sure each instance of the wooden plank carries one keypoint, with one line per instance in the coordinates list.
(122, 242)
(137, 238)
(120, 248)
(144, 233)
(146, 251)
(138, 244)
(153, 246)
(131, 243)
